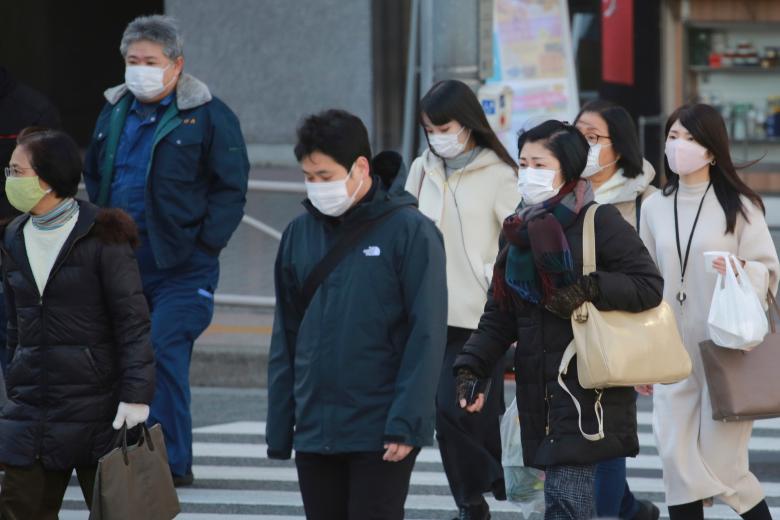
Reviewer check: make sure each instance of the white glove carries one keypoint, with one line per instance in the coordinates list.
(132, 414)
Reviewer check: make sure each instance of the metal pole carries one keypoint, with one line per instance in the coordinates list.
(262, 227)
(244, 301)
(277, 186)
(410, 101)
(426, 46)
(426, 54)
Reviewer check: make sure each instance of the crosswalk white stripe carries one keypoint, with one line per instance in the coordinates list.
(290, 474)
(261, 497)
(258, 427)
(258, 499)
(717, 512)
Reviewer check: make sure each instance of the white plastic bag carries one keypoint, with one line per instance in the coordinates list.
(524, 486)
(737, 319)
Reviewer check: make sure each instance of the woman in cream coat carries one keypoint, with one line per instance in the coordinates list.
(465, 182)
(702, 458)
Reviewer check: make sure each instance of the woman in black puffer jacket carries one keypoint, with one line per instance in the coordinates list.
(78, 330)
(536, 287)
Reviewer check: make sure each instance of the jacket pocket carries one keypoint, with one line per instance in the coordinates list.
(178, 157)
(94, 366)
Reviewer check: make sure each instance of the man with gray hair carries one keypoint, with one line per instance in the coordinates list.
(171, 155)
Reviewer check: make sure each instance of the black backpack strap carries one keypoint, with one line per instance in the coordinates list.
(344, 245)
(638, 205)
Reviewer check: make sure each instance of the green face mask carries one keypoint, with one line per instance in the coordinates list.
(24, 193)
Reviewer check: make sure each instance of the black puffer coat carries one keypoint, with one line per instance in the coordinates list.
(79, 348)
(628, 280)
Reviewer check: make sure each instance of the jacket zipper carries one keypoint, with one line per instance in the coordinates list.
(547, 405)
(43, 331)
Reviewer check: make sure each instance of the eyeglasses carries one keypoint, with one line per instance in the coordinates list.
(15, 171)
(593, 139)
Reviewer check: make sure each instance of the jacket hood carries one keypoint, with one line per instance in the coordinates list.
(109, 225)
(629, 189)
(190, 93)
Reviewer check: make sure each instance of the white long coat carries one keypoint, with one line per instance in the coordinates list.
(703, 458)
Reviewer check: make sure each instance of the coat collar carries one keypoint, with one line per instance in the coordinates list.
(14, 240)
(190, 93)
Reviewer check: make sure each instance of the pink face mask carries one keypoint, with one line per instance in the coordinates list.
(685, 157)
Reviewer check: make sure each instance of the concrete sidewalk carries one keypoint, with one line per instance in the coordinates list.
(233, 352)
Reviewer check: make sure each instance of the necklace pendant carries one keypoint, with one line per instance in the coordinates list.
(681, 296)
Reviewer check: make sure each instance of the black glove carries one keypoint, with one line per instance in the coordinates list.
(464, 383)
(565, 301)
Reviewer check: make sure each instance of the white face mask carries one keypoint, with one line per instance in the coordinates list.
(146, 82)
(536, 185)
(593, 166)
(332, 198)
(448, 146)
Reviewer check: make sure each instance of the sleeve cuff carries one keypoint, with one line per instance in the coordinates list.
(279, 454)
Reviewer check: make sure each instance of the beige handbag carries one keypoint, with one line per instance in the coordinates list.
(619, 348)
(743, 385)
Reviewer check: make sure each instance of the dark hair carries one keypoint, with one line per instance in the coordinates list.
(335, 133)
(55, 157)
(706, 126)
(566, 143)
(622, 133)
(450, 100)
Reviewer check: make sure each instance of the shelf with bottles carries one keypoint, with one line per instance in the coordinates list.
(721, 51)
(707, 69)
(748, 123)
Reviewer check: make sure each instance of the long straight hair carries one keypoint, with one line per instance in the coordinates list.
(706, 126)
(450, 100)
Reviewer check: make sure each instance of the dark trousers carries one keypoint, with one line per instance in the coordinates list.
(35, 493)
(353, 486)
(614, 498)
(181, 301)
(470, 444)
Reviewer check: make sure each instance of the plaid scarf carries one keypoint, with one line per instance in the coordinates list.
(537, 260)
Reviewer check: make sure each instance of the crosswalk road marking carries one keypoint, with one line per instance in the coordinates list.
(236, 481)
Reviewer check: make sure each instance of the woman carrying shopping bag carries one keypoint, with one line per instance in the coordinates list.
(621, 177)
(465, 182)
(78, 330)
(536, 287)
(704, 207)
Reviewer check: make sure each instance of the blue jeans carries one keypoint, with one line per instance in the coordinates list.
(613, 496)
(181, 301)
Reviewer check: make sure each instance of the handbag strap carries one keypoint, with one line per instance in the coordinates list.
(772, 305)
(568, 355)
(589, 240)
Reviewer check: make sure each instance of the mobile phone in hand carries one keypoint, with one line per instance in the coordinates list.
(480, 386)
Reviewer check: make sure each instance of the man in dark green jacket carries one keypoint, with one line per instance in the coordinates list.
(352, 377)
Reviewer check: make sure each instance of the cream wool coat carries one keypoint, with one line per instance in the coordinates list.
(469, 210)
(703, 458)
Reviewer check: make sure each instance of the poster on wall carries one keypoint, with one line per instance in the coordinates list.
(533, 56)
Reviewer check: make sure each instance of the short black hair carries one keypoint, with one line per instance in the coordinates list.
(335, 133)
(565, 142)
(55, 157)
(622, 133)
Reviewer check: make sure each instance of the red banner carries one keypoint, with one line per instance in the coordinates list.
(617, 41)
